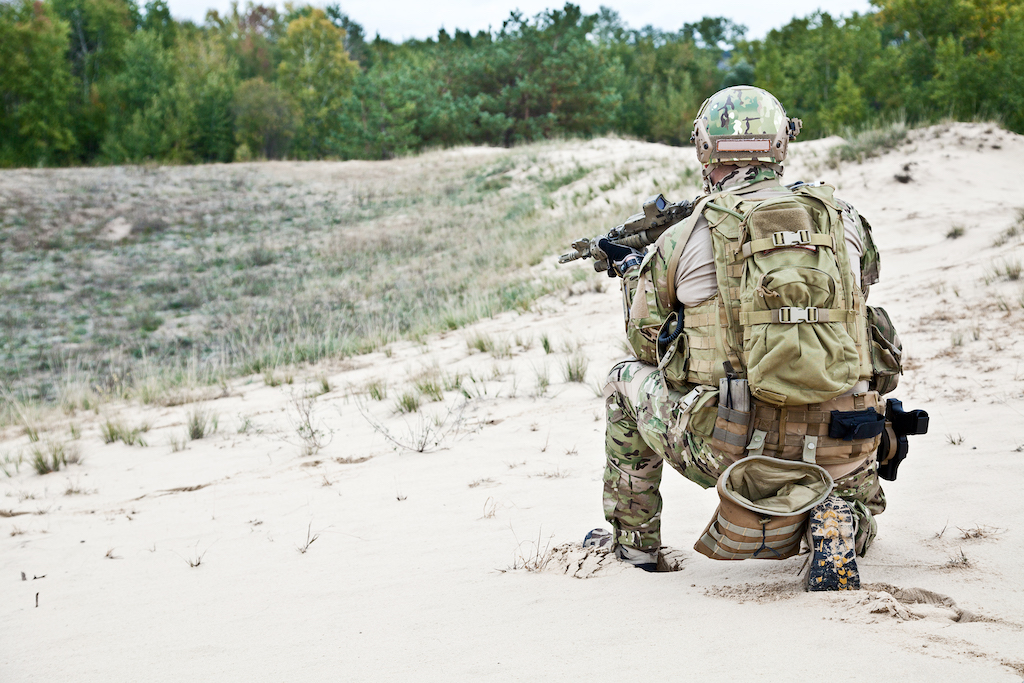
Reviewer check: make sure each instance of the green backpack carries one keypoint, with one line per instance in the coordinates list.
(787, 317)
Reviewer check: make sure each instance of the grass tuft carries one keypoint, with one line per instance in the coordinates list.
(408, 402)
(51, 456)
(575, 368)
(378, 389)
(116, 431)
(201, 423)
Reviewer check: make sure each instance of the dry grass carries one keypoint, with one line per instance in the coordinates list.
(253, 269)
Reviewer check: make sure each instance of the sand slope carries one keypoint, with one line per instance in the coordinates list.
(416, 571)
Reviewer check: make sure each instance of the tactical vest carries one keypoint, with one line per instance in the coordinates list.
(787, 317)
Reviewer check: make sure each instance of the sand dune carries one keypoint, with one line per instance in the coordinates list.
(370, 561)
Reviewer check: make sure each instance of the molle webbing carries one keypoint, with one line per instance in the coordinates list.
(733, 542)
(813, 421)
(701, 339)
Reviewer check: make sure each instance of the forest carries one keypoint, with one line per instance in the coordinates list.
(109, 81)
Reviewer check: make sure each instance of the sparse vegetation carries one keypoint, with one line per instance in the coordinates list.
(430, 387)
(11, 463)
(310, 538)
(377, 389)
(954, 439)
(959, 561)
(481, 342)
(158, 316)
(955, 232)
(543, 378)
(177, 443)
(864, 143)
(575, 368)
(407, 402)
(51, 456)
(114, 431)
(428, 434)
(200, 423)
(312, 432)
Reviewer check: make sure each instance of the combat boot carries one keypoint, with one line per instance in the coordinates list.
(831, 535)
(642, 559)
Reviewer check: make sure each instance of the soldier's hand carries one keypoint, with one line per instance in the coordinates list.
(621, 258)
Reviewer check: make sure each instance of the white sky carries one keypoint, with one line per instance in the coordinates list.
(397, 20)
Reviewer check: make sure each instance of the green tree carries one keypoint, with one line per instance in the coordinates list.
(99, 32)
(249, 38)
(846, 106)
(206, 81)
(318, 74)
(35, 85)
(546, 77)
(143, 120)
(265, 120)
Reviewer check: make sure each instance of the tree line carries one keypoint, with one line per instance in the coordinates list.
(109, 81)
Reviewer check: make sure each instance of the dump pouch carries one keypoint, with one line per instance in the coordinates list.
(763, 508)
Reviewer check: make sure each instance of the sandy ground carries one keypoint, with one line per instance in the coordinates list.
(368, 561)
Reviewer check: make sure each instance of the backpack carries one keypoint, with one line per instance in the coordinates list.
(787, 317)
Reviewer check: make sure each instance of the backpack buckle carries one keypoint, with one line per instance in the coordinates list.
(791, 314)
(785, 238)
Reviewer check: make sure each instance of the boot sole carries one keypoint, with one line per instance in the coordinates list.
(833, 558)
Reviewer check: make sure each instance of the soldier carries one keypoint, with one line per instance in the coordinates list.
(750, 245)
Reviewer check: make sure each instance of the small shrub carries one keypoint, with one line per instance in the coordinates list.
(408, 402)
(147, 321)
(955, 232)
(311, 431)
(258, 257)
(177, 443)
(201, 423)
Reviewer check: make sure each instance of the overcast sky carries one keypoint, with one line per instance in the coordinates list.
(397, 20)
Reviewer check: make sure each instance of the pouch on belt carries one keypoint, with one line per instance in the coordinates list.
(763, 507)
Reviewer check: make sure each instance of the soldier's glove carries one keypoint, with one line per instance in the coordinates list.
(621, 258)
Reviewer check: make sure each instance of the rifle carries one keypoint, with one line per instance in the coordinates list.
(638, 231)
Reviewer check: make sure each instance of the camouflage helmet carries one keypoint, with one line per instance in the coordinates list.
(743, 123)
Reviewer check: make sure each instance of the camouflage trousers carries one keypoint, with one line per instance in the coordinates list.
(644, 430)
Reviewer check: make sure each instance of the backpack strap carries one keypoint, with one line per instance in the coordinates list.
(685, 230)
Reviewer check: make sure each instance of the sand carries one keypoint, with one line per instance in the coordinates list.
(241, 558)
